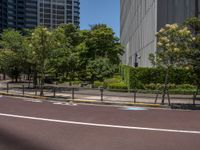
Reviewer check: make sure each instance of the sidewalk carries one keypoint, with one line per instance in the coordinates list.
(94, 95)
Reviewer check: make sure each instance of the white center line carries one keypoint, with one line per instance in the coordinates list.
(100, 125)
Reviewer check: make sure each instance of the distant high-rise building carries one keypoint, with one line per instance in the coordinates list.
(141, 19)
(31, 13)
(51, 13)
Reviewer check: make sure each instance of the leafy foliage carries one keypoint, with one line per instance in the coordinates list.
(13, 54)
(173, 42)
(66, 53)
(139, 77)
(99, 69)
(193, 56)
(41, 44)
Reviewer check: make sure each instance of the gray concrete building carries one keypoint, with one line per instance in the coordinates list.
(141, 19)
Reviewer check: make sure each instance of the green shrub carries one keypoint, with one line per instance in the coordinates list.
(115, 80)
(98, 83)
(76, 82)
(142, 78)
(182, 91)
(158, 86)
(186, 86)
(117, 77)
(120, 85)
(153, 86)
(181, 76)
(112, 80)
(183, 88)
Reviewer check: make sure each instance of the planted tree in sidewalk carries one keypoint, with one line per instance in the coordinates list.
(99, 42)
(65, 58)
(99, 69)
(102, 42)
(41, 44)
(13, 53)
(193, 56)
(173, 43)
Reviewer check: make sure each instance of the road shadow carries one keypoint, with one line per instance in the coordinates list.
(10, 141)
(185, 106)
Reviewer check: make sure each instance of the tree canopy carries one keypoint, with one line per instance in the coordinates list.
(66, 52)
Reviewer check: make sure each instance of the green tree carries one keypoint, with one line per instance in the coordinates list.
(99, 42)
(65, 58)
(102, 42)
(99, 69)
(42, 44)
(13, 53)
(173, 43)
(193, 56)
(10, 63)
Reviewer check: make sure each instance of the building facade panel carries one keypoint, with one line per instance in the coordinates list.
(174, 11)
(30, 13)
(138, 28)
(141, 19)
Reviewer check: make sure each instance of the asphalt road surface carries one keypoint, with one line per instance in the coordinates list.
(27, 124)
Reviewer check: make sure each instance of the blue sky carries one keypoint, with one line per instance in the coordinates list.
(100, 11)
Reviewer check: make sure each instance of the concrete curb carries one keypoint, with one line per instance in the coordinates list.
(119, 103)
(26, 96)
(87, 101)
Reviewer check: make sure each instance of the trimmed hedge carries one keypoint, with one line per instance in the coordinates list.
(113, 83)
(139, 77)
(120, 86)
(158, 86)
(98, 84)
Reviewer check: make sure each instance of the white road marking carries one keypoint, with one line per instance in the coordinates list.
(33, 100)
(133, 108)
(100, 125)
(63, 103)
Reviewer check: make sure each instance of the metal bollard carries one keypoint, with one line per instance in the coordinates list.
(157, 94)
(135, 96)
(36, 91)
(54, 92)
(7, 87)
(194, 98)
(23, 90)
(101, 90)
(168, 97)
(73, 93)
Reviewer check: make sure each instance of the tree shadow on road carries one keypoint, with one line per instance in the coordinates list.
(10, 141)
(185, 106)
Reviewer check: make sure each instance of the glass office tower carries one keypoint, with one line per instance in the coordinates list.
(51, 13)
(30, 13)
(12, 13)
(141, 19)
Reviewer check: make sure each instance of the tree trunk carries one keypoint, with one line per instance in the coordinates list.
(4, 76)
(92, 83)
(165, 88)
(16, 78)
(42, 85)
(29, 79)
(42, 78)
(34, 78)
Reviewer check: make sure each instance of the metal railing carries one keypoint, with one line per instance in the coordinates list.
(99, 94)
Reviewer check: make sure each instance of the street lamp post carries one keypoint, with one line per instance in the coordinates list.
(136, 60)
